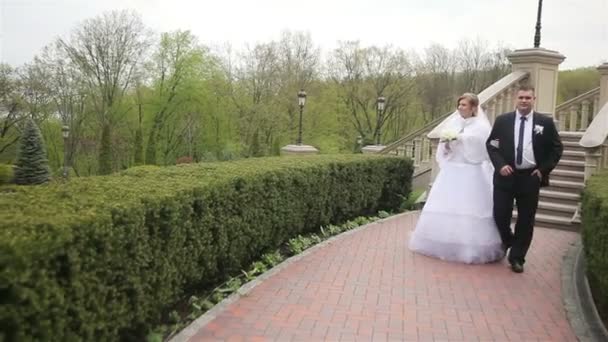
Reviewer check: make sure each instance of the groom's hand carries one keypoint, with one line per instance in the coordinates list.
(506, 170)
(538, 174)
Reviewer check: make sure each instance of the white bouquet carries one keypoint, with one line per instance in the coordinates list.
(448, 135)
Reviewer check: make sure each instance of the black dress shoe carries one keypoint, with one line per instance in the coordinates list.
(517, 267)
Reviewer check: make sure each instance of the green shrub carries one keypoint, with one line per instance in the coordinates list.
(6, 174)
(101, 258)
(595, 238)
(32, 165)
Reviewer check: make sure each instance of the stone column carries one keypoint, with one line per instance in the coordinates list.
(298, 150)
(603, 70)
(593, 159)
(372, 149)
(543, 65)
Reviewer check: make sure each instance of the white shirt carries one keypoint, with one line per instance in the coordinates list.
(528, 160)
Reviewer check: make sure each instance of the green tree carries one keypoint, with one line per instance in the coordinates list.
(12, 109)
(32, 165)
(572, 83)
(178, 64)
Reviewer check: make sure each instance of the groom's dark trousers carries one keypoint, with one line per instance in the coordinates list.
(524, 190)
(521, 186)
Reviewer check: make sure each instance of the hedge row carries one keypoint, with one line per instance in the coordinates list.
(595, 238)
(100, 258)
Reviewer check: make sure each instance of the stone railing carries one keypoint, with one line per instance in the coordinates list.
(421, 144)
(595, 142)
(576, 114)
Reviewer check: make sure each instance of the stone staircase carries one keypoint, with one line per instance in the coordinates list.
(582, 125)
(558, 203)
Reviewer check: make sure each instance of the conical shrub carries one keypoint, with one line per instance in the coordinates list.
(32, 165)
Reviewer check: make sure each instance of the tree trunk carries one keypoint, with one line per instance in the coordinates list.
(105, 151)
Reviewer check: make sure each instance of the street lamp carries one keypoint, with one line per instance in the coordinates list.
(538, 15)
(301, 103)
(380, 108)
(65, 132)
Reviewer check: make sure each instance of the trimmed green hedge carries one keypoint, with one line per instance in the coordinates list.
(595, 238)
(100, 258)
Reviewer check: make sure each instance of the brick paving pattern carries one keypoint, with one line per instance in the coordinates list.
(368, 286)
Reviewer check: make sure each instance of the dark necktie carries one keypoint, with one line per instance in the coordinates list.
(520, 142)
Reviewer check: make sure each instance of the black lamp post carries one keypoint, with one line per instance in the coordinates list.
(301, 103)
(380, 108)
(65, 132)
(538, 16)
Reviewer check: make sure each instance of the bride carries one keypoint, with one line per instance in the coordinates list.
(456, 223)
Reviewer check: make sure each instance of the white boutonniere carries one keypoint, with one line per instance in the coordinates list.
(538, 129)
(494, 143)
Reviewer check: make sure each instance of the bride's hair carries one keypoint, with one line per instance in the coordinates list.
(472, 99)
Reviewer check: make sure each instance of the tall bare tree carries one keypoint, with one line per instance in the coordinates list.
(107, 50)
(65, 87)
(363, 75)
(254, 78)
(298, 61)
(479, 66)
(435, 80)
(472, 58)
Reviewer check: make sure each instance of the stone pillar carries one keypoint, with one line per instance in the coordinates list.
(603, 70)
(372, 149)
(298, 150)
(542, 64)
(593, 159)
(434, 164)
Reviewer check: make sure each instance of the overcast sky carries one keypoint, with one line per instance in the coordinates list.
(576, 28)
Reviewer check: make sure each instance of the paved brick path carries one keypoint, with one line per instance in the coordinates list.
(368, 286)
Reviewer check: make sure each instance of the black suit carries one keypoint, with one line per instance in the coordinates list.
(521, 185)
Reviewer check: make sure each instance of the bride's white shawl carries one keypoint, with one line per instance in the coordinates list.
(470, 144)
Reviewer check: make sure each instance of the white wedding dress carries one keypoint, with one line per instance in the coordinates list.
(456, 223)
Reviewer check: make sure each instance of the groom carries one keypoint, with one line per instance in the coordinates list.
(524, 147)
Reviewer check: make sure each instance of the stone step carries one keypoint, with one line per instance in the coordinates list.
(565, 186)
(553, 222)
(574, 155)
(556, 209)
(571, 165)
(572, 146)
(570, 162)
(559, 197)
(567, 175)
(573, 227)
(570, 142)
(571, 136)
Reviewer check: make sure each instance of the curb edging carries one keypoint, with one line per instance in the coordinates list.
(577, 299)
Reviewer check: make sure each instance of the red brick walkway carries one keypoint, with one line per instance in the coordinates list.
(368, 286)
